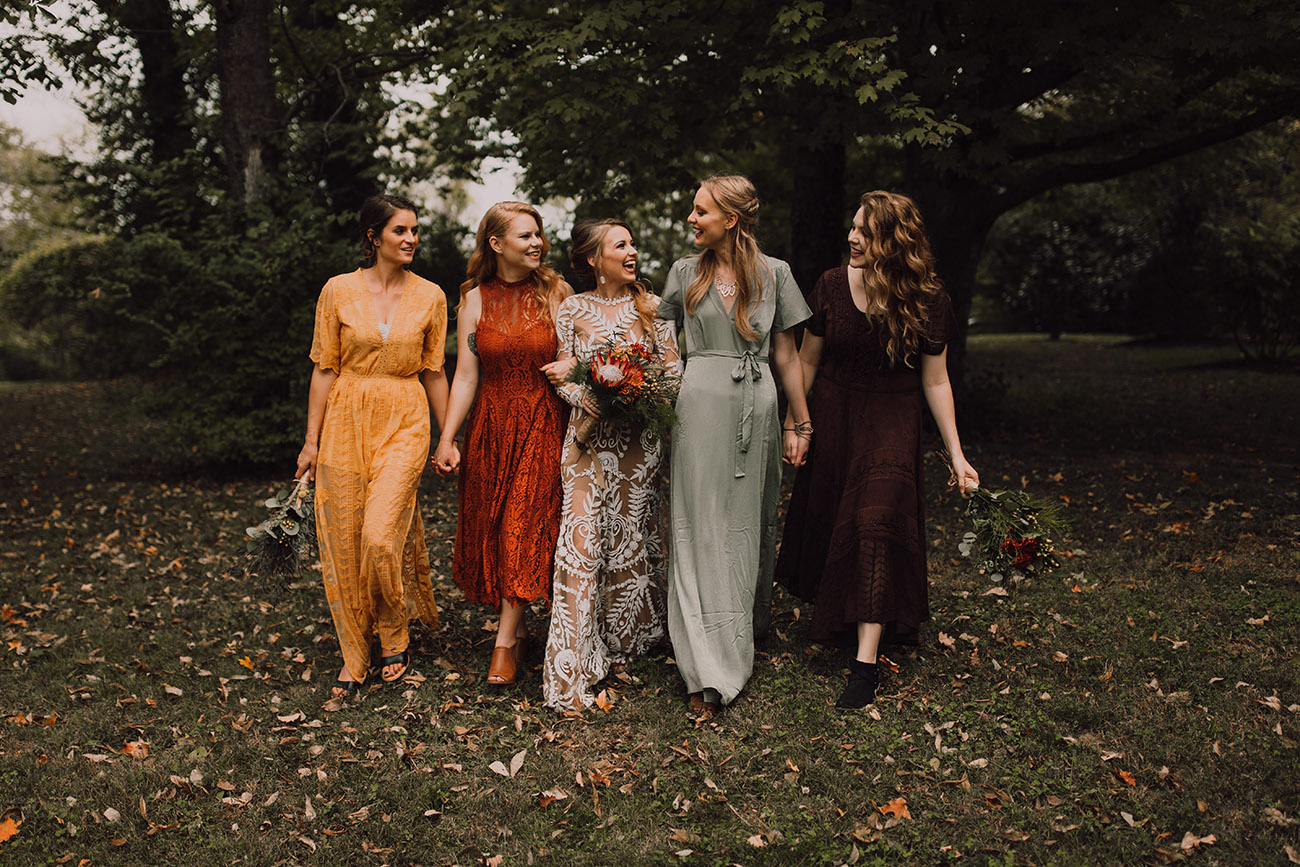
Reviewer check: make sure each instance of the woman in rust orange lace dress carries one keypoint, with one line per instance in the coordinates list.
(510, 484)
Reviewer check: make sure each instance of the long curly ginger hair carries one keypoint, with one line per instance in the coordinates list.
(899, 275)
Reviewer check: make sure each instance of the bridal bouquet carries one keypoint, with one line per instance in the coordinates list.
(280, 545)
(1012, 531)
(629, 386)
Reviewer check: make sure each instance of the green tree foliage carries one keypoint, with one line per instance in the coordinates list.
(622, 104)
(33, 207)
(982, 106)
(1252, 243)
(1069, 260)
(60, 295)
(1071, 93)
(23, 62)
(1204, 245)
(229, 197)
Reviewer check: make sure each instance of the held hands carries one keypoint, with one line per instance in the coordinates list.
(557, 372)
(446, 459)
(794, 449)
(306, 463)
(795, 441)
(589, 405)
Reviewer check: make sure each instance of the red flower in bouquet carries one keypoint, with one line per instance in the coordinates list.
(1020, 552)
(633, 381)
(1012, 530)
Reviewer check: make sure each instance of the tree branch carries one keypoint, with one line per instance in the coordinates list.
(1082, 173)
(1091, 138)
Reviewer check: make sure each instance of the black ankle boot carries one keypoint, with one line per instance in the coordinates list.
(861, 688)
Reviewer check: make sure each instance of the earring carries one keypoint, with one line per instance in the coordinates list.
(602, 279)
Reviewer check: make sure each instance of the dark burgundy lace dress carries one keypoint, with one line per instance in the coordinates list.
(854, 538)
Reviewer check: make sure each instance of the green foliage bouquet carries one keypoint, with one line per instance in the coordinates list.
(279, 546)
(1012, 532)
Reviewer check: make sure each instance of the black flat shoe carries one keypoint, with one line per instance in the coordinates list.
(349, 688)
(403, 659)
(861, 688)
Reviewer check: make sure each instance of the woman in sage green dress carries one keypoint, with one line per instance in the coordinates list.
(733, 306)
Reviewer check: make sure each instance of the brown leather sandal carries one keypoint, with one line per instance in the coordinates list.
(700, 708)
(502, 669)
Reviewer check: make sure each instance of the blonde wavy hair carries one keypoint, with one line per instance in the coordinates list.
(483, 262)
(734, 194)
(899, 275)
(589, 241)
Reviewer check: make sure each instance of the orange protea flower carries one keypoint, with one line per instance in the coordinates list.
(629, 386)
(606, 370)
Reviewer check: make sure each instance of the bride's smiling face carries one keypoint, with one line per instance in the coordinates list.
(615, 265)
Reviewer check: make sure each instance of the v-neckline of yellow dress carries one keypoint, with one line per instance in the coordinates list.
(374, 308)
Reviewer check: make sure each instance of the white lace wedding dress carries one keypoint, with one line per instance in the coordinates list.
(608, 598)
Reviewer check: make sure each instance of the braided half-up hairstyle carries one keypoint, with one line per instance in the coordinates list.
(734, 194)
(376, 211)
(899, 276)
(483, 261)
(588, 242)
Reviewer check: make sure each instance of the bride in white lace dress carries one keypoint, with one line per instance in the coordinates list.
(608, 600)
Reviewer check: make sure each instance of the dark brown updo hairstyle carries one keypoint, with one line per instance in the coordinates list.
(376, 211)
(899, 275)
(588, 242)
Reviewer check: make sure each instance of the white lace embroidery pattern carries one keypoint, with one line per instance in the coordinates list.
(608, 598)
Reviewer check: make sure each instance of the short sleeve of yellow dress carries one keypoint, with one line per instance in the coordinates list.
(373, 448)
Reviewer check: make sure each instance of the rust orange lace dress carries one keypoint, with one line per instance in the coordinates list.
(510, 467)
(373, 447)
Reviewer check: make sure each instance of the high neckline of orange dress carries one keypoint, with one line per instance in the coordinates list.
(518, 284)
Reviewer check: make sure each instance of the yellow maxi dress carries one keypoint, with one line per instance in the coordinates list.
(373, 447)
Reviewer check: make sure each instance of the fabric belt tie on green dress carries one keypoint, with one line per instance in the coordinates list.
(748, 370)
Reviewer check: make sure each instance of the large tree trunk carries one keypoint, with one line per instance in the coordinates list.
(817, 229)
(248, 106)
(957, 220)
(163, 95)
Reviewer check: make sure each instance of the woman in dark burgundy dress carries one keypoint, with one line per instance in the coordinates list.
(874, 351)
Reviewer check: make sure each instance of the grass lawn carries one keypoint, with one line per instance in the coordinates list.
(1141, 705)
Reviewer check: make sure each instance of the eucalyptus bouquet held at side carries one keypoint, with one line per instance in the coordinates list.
(280, 545)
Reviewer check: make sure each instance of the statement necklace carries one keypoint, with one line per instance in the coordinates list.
(725, 289)
(600, 299)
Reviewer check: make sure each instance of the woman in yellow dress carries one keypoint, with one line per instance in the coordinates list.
(378, 353)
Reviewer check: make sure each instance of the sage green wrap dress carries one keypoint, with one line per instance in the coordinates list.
(725, 478)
